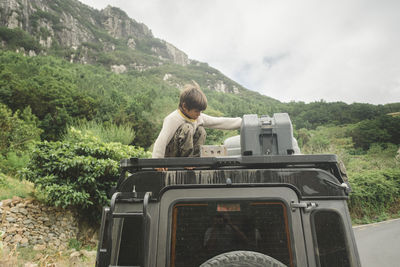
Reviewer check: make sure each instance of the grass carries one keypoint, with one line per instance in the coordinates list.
(24, 255)
(123, 134)
(10, 187)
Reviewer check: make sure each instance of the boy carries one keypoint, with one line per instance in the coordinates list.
(183, 132)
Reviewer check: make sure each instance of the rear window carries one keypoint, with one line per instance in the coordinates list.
(331, 245)
(203, 230)
(131, 247)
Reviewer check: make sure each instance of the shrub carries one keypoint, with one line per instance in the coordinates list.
(18, 131)
(374, 192)
(3, 181)
(78, 173)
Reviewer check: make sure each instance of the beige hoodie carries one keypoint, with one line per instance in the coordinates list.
(175, 119)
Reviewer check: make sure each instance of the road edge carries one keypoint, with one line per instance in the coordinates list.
(374, 224)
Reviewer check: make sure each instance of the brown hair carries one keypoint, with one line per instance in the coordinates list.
(193, 97)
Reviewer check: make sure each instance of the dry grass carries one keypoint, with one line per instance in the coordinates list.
(27, 257)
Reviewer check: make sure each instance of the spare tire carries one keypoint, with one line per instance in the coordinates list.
(242, 258)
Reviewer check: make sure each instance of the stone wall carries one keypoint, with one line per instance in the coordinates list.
(26, 222)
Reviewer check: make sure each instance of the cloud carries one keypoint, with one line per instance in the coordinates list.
(290, 50)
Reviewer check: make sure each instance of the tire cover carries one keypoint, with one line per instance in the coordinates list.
(242, 258)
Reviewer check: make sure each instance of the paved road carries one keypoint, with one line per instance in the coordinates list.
(379, 243)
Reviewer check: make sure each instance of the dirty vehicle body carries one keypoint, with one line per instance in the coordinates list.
(265, 207)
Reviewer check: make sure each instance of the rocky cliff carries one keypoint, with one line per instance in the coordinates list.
(85, 31)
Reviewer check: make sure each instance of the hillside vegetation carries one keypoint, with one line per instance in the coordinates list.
(56, 114)
(374, 173)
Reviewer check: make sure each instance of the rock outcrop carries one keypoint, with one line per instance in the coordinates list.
(119, 25)
(71, 24)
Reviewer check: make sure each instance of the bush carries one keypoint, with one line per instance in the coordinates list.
(3, 181)
(78, 173)
(374, 192)
(18, 131)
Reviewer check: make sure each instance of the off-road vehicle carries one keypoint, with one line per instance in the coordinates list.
(267, 206)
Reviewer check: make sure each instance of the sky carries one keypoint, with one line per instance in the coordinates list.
(309, 50)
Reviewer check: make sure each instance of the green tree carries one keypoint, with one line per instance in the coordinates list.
(383, 129)
(18, 130)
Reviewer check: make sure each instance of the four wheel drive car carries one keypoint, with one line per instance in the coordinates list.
(267, 206)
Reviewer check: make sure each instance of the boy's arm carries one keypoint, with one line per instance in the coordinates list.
(221, 123)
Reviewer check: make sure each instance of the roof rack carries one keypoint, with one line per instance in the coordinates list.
(267, 161)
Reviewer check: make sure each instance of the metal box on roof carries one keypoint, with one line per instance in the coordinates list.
(267, 136)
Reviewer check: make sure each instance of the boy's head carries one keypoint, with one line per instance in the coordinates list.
(193, 98)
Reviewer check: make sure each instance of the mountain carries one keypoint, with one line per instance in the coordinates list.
(81, 34)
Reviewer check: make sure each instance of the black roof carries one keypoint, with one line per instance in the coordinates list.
(311, 176)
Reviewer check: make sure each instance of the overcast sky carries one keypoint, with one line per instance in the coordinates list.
(335, 50)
